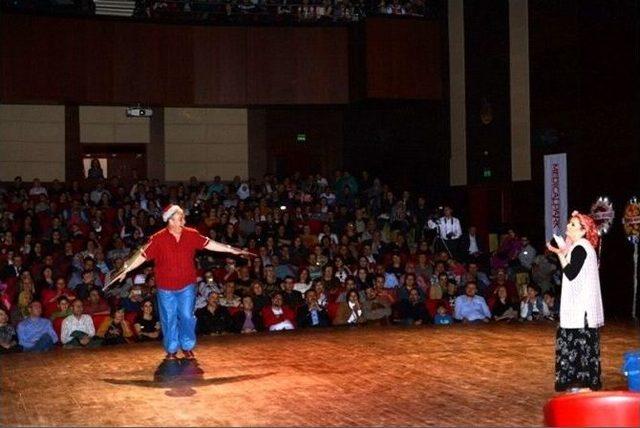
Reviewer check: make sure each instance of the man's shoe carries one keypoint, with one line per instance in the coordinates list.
(189, 355)
(170, 356)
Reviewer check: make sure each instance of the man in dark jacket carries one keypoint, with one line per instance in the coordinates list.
(311, 314)
(247, 320)
(213, 318)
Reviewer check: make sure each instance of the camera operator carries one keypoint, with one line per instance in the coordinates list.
(448, 232)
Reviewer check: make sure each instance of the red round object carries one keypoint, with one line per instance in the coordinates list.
(594, 409)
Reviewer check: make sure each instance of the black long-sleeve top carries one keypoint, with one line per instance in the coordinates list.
(578, 256)
(217, 322)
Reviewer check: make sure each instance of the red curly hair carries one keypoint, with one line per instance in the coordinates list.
(589, 225)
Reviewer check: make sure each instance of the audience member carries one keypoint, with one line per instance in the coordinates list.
(247, 320)
(206, 287)
(470, 307)
(413, 310)
(133, 302)
(470, 246)
(95, 304)
(213, 318)
(375, 308)
(503, 308)
(501, 280)
(291, 297)
(350, 311)
(229, 299)
(442, 316)
(147, 324)
(36, 333)
(115, 329)
(8, 336)
(550, 300)
(303, 283)
(449, 232)
(78, 329)
(543, 269)
(533, 306)
(527, 254)
(276, 316)
(64, 309)
(260, 299)
(311, 314)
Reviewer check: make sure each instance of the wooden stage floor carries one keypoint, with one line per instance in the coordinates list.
(462, 375)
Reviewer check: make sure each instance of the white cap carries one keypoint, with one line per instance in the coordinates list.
(169, 211)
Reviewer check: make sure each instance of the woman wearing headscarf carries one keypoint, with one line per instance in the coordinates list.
(581, 313)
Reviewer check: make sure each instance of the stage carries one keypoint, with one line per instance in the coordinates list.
(462, 375)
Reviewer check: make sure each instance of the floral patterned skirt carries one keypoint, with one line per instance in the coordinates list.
(578, 358)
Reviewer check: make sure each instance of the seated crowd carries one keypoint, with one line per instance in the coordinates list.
(249, 11)
(348, 251)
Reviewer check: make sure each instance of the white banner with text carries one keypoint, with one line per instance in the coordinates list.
(555, 194)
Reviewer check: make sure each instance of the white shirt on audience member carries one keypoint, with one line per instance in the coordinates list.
(71, 324)
(447, 226)
(473, 245)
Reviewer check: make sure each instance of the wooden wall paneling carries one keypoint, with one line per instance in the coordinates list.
(112, 62)
(136, 66)
(323, 65)
(219, 65)
(403, 59)
(297, 65)
(271, 66)
(176, 72)
(98, 65)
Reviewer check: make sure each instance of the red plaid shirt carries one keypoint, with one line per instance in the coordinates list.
(175, 265)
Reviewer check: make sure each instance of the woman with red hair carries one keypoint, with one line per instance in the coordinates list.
(581, 314)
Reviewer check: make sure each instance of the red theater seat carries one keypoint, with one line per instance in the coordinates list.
(97, 320)
(131, 318)
(432, 306)
(57, 326)
(332, 310)
(594, 409)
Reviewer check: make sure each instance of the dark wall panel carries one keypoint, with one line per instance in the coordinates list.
(136, 65)
(487, 90)
(272, 137)
(217, 52)
(111, 61)
(108, 61)
(288, 65)
(97, 69)
(403, 59)
(27, 72)
(176, 58)
(400, 142)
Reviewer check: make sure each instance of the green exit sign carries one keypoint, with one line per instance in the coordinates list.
(486, 173)
(301, 138)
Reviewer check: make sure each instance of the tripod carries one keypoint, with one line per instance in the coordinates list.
(438, 238)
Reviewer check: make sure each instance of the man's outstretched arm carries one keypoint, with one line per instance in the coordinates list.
(136, 259)
(224, 248)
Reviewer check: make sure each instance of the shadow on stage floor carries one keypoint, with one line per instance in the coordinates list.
(181, 377)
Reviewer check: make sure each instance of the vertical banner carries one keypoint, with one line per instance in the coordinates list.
(555, 194)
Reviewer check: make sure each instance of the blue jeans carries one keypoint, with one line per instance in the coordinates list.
(177, 317)
(45, 343)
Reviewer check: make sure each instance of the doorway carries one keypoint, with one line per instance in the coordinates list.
(126, 161)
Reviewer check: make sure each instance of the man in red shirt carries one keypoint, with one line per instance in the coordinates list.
(173, 249)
